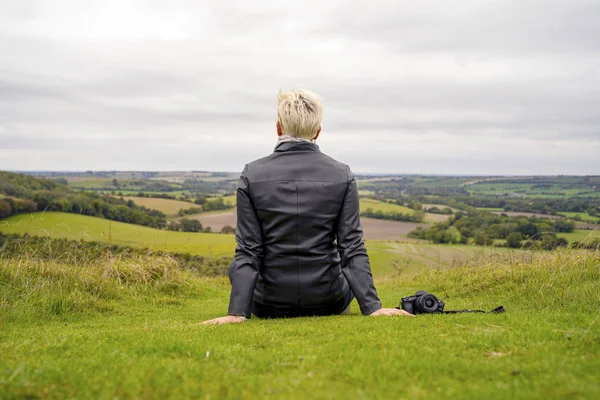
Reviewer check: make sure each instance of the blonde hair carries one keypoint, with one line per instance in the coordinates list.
(300, 113)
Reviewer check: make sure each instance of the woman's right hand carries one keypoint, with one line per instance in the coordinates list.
(390, 312)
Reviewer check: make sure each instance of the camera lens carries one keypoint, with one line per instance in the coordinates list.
(427, 304)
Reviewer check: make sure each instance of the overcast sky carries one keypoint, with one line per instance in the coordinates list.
(450, 87)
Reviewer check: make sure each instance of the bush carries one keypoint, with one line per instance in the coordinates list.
(514, 240)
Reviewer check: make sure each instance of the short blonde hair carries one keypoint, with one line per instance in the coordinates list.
(300, 113)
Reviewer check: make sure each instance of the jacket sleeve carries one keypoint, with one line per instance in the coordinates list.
(243, 271)
(353, 254)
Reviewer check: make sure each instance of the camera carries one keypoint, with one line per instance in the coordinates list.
(422, 303)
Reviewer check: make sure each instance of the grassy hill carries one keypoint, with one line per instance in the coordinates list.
(81, 227)
(130, 329)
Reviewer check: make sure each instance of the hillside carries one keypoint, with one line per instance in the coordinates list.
(81, 227)
(62, 324)
(21, 194)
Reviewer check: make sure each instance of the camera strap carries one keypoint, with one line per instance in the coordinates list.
(497, 310)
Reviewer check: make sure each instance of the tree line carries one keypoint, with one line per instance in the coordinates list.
(25, 194)
(482, 228)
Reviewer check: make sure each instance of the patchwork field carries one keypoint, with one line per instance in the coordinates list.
(410, 256)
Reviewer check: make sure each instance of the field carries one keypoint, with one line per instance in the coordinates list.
(582, 215)
(216, 220)
(167, 206)
(81, 227)
(377, 205)
(69, 331)
(581, 236)
(527, 189)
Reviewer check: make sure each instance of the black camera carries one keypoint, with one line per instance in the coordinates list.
(422, 303)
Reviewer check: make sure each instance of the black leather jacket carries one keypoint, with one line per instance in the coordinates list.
(292, 207)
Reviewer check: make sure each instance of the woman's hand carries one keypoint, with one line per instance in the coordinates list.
(230, 319)
(390, 312)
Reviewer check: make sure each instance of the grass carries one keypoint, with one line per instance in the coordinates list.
(585, 217)
(580, 235)
(81, 227)
(377, 205)
(167, 206)
(230, 200)
(555, 191)
(491, 209)
(90, 332)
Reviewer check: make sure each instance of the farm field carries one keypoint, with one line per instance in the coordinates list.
(582, 236)
(167, 206)
(526, 189)
(377, 205)
(582, 215)
(81, 227)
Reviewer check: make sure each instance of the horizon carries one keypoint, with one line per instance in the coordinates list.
(358, 173)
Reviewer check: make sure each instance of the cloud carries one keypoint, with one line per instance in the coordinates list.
(420, 87)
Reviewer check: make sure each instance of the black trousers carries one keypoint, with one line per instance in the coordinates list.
(334, 308)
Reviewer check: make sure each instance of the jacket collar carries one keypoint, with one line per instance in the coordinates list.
(296, 146)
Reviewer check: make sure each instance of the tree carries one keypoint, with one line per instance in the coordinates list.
(5, 209)
(228, 229)
(190, 225)
(514, 240)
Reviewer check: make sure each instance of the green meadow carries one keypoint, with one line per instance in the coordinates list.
(581, 235)
(119, 328)
(81, 227)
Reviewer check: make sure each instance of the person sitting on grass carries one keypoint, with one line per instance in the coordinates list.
(300, 249)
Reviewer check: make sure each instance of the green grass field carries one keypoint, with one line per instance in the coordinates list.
(230, 200)
(167, 206)
(580, 235)
(377, 205)
(81, 227)
(119, 329)
(585, 217)
(489, 188)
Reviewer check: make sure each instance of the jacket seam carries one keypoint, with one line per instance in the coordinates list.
(297, 242)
